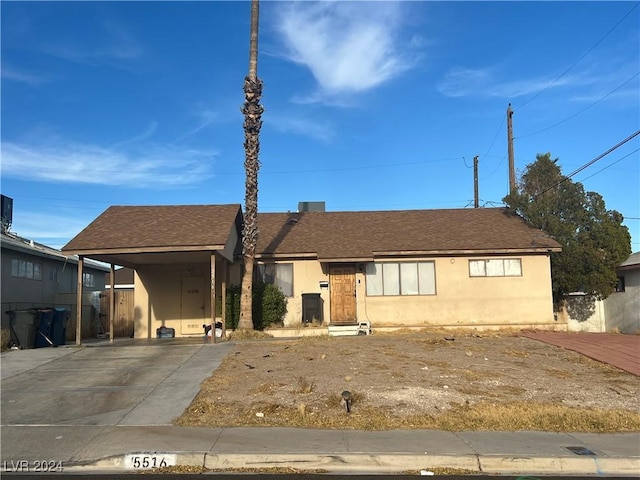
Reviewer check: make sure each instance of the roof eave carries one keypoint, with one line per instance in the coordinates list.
(130, 250)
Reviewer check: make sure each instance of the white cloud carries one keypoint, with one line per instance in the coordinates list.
(205, 118)
(117, 46)
(464, 82)
(349, 47)
(34, 80)
(46, 226)
(150, 130)
(301, 126)
(158, 166)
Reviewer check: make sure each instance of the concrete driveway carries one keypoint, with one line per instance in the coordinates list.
(131, 383)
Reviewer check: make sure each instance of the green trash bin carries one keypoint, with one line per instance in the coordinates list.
(23, 327)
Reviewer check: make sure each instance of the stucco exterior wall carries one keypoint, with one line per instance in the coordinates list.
(158, 297)
(622, 309)
(460, 300)
(583, 313)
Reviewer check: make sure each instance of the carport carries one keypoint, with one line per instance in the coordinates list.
(181, 255)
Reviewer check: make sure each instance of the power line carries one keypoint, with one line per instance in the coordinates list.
(581, 111)
(610, 165)
(580, 59)
(588, 164)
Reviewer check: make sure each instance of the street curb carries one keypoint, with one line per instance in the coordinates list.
(591, 465)
(343, 463)
(389, 463)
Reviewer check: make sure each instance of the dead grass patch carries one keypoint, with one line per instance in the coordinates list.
(511, 416)
(398, 383)
(305, 385)
(555, 372)
(516, 353)
(247, 335)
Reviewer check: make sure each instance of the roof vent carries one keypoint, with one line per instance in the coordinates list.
(310, 207)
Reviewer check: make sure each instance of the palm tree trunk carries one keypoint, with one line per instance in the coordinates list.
(252, 111)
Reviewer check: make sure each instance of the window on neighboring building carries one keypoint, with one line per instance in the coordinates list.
(88, 279)
(620, 284)
(405, 278)
(495, 267)
(280, 274)
(53, 274)
(26, 269)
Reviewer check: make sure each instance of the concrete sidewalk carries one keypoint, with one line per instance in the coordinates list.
(111, 448)
(109, 409)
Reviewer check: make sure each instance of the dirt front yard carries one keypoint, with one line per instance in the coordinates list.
(444, 380)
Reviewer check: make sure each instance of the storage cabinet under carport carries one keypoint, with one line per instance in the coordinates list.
(311, 307)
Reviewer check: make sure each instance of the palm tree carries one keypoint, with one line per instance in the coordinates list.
(252, 111)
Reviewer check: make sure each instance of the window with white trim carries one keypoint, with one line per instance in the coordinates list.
(279, 274)
(402, 278)
(26, 269)
(495, 267)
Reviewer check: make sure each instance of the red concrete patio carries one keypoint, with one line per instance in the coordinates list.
(621, 351)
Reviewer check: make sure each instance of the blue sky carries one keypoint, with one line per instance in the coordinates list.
(369, 106)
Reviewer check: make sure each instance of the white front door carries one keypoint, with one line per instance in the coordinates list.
(192, 306)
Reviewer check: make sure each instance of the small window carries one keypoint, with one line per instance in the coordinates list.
(53, 274)
(88, 280)
(495, 267)
(620, 284)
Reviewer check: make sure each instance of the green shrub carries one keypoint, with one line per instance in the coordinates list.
(269, 305)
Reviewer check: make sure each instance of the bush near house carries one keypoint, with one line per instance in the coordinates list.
(269, 306)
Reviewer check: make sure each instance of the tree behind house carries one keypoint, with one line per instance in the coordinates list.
(594, 241)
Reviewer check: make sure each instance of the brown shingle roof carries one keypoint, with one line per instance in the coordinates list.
(121, 227)
(343, 235)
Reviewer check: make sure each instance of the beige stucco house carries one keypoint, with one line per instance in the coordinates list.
(412, 268)
(480, 268)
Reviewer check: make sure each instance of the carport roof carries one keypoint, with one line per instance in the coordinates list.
(363, 236)
(137, 230)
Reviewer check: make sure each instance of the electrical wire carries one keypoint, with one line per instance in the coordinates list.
(588, 164)
(580, 59)
(610, 165)
(581, 111)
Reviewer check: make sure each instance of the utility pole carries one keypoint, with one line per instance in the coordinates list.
(475, 182)
(512, 169)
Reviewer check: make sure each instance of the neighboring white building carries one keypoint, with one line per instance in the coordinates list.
(622, 308)
(619, 312)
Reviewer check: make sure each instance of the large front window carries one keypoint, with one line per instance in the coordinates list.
(280, 274)
(404, 278)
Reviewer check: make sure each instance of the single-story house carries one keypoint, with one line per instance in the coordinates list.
(411, 268)
(481, 268)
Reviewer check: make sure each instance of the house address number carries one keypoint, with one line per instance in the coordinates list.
(144, 461)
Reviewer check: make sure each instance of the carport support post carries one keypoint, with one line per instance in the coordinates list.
(79, 301)
(112, 301)
(213, 296)
(224, 298)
